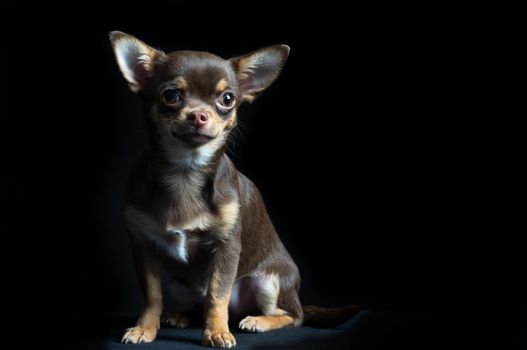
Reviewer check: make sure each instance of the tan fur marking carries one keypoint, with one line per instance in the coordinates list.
(266, 323)
(248, 98)
(186, 110)
(149, 321)
(217, 317)
(221, 85)
(153, 299)
(181, 83)
(228, 214)
(200, 222)
(216, 331)
(244, 68)
(231, 121)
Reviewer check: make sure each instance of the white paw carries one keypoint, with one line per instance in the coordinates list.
(139, 335)
(218, 339)
(253, 324)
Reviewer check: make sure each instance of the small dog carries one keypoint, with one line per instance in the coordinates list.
(189, 210)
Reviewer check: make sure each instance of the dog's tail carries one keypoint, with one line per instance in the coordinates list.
(316, 316)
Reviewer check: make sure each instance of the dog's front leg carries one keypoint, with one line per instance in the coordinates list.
(223, 273)
(149, 272)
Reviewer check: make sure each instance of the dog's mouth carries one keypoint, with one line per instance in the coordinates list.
(194, 138)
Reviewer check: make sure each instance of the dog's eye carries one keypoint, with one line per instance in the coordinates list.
(171, 96)
(227, 100)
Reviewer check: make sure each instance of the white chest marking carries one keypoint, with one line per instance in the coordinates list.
(179, 251)
(170, 239)
(173, 242)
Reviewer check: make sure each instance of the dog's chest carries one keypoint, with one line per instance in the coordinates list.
(178, 242)
(183, 204)
(171, 242)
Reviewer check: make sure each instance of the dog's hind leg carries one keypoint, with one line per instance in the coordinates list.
(176, 319)
(280, 308)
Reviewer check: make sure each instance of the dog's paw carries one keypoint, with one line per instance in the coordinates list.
(139, 335)
(219, 339)
(253, 324)
(176, 319)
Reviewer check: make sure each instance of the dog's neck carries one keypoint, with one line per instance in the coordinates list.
(184, 186)
(200, 162)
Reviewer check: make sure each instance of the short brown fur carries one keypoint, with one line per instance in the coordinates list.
(187, 207)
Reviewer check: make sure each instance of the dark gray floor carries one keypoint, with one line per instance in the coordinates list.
(374, 329)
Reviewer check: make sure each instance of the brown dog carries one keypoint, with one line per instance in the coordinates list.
(188, 208)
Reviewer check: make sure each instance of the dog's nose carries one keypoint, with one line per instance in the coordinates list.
(199, 118)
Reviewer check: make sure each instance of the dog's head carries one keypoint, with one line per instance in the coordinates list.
(192, 97)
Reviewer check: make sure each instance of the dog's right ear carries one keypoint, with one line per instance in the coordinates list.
(136, 59)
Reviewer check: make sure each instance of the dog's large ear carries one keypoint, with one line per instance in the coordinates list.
(135, 59)
(257, 70)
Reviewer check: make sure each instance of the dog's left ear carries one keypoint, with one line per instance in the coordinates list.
(257, 70)
(135, 59)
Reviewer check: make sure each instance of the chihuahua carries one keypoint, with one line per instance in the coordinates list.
(190, 211)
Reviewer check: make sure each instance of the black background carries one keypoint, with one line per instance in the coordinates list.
(384, 152)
